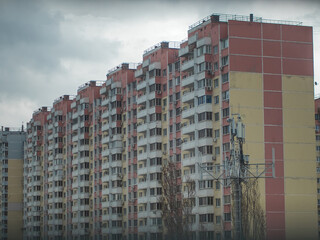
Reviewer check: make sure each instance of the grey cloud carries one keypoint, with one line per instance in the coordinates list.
(32, 48)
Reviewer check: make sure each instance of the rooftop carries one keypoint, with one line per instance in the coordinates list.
(227, 17)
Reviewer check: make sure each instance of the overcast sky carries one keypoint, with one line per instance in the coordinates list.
(49, 48)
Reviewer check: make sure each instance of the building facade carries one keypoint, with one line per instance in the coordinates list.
(101, 154)
(11, 195)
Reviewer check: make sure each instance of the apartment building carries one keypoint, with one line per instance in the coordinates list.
(101, 153)
(11, 193)
(317, 131)
(33, 191)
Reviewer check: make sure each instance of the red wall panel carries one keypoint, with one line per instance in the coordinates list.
(272, 65)
(245, 64)
(245, 46)
(298, 67)
(297, 50)
(272, 82)
(296, 33)
(244, 29)
(271, 31)
(271, 48)
(273, 116)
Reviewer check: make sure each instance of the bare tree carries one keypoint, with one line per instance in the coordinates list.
(176, 208)
(252, 217)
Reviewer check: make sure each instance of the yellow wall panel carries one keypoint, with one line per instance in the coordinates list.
(245, 80)
(299, 117)
(301, 186)
(15, 224)
(301, 225)
(297, 100)
(300, 168)
(298, 134)
(244, 98)
(298, 151)
(297, 83)
(15, 187)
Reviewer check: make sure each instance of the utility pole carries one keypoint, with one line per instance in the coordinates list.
(236, 169)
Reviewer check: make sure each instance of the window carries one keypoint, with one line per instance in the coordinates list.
(225, 78)
(216, 133)
(318, 138)
(225, 129)
(224, 43)
(227, 217)
(225, 112)
(215, 66)
(216, 99)
(224, 61)
(216, 116)
(204, 99)
(215, 49)
(318, 148)
(317, 116)
(216, 83)
(218, 202)
(218, 220)
(225, 95)
(217, 150)
(227, 199)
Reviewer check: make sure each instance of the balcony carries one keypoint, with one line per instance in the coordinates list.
(204, 41)
(205, 141)
(155, 65)
(105, 114)
(105, 153)
(142, 156)
(188, 113)
(143, 185)
(192, 39)
(155, 139)
(105, 191)
(75, 115)
(188, 145)
(142, 127)
(188, 97)
(74, 127)
(146, 63)
(142, 142)
(144, 199)
(154, 154)
(105, 102)
(103, 90)
(188, 129)
(105, 127)
(184, 51)
(142, 113)
(138, 73)
(188, 81)
(189, 161)
(141, 85)
(141, 99)
(142, 171)
(187, 66)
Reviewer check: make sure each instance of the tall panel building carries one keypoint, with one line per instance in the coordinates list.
(101, 154)
(11, 173)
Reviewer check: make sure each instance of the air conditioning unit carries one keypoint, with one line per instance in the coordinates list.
(209, 88)
(158, 92)
(163, 108)
(215, 139)
(221, 68)
(214, 157)
(164, 153)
